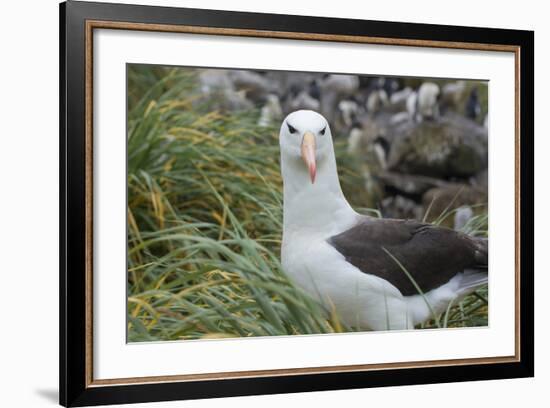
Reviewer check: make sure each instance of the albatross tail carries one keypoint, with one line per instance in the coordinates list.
(473, 278)
(470, 280)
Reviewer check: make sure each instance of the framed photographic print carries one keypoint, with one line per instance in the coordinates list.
(256, 203)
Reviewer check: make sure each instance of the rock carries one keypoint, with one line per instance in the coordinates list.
(217, 87)
(302, 101)
(442, 200)
(399, 118)
(342, 85)
(214, 80)
(410, 184)
(401, 207)
(230, 100)
(255, 85)
(450, 147)
(227, 100)
(481, 179)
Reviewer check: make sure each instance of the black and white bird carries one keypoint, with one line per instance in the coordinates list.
(354, 264)
(472, 109)
(424, 104)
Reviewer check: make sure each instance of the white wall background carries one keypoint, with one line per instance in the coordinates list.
(29, 201)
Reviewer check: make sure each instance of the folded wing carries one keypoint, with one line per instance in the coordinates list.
(432, 255)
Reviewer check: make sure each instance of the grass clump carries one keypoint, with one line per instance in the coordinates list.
(204, 220)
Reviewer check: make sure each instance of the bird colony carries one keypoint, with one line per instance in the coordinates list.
(422, 144)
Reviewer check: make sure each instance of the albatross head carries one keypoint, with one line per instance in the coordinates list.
(306, 141)
(312, 196)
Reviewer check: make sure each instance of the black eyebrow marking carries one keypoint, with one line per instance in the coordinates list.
(291, 128)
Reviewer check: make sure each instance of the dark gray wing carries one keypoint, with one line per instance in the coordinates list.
(432, 255)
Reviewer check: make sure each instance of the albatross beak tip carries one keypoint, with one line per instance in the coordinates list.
(308, 154)
(312, 172)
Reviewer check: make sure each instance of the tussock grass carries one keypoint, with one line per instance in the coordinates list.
(205, 221)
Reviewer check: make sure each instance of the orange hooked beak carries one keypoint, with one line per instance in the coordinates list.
(308, 154)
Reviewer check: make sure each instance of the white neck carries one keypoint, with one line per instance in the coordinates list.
(320, 206)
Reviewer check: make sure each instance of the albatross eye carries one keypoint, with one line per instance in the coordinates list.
(291, 129)
(322, 132)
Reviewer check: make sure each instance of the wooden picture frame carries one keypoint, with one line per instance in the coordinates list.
(78, 20)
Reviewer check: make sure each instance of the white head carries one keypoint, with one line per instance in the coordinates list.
(306, 142)
(313, 197)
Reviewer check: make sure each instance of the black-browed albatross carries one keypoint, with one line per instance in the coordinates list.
(354, 263)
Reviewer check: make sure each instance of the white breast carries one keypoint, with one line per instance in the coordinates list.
(360, 300)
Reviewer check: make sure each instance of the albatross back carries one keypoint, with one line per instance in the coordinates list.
(431, 254)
